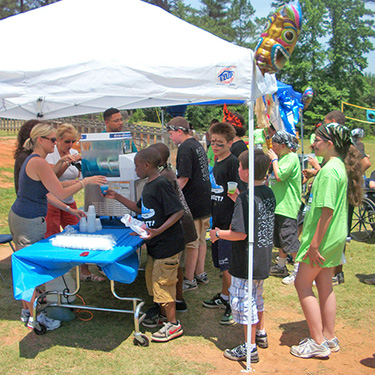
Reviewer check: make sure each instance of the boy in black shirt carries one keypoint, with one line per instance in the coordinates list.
(264, 215)
(224, 171)
(194, 180)
(161, 211)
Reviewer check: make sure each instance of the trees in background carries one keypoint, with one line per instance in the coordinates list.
(11, 7)
(330, 55)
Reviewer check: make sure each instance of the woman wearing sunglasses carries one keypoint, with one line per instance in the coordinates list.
(38, 184)
(63, 161)
(60, 160)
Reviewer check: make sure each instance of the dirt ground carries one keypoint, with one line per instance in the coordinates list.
(7, 147)
(357, 354)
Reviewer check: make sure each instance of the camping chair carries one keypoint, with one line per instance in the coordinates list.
(6, 238)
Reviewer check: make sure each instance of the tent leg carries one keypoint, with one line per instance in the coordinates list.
(251, 228)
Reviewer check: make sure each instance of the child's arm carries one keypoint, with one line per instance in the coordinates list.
(153, 232)
(182, 181)
(228, 235)
(125, 201)
(313, 252)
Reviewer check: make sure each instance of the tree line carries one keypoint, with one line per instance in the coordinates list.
(330, 55)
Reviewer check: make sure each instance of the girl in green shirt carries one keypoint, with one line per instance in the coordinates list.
(324, 236)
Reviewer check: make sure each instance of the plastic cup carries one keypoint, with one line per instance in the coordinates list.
(232, 186)
(104, 189)
(91, 210)
(98, 224)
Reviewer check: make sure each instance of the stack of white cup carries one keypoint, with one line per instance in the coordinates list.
(91, 219)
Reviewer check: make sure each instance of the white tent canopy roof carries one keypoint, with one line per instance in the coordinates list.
(83, 56)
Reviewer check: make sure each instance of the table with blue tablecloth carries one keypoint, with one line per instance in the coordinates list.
(42, 262)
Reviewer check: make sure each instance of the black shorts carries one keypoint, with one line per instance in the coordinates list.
(222, 254)
(286, 234)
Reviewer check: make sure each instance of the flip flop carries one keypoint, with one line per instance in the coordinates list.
(92, 277)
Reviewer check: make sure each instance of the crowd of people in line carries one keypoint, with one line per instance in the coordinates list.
(179, 207)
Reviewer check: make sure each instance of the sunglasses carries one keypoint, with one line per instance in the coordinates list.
(67, 141)
(52, 139)
(217, 144)
(175, 128)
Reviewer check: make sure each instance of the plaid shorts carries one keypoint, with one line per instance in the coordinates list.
(239, 302)
(258, 294)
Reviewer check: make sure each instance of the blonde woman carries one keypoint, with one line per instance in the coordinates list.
(38, 184)
(61, 160)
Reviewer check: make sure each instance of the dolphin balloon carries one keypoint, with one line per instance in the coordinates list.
(278, 40)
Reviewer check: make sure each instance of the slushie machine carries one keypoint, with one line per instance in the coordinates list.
(110, 155)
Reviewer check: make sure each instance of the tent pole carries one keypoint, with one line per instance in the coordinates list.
(302, 148)
(250, 236)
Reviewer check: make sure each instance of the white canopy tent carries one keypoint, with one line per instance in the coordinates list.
(82, 56)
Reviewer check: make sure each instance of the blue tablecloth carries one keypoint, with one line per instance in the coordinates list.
(42, 262)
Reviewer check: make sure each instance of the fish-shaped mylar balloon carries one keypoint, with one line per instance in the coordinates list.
(307, 97)
(278, 40)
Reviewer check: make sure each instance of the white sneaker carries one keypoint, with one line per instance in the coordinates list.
(333, 344)
(188, 285)
(289, 279)
(25, 315)
(308, 348)
(42, 318)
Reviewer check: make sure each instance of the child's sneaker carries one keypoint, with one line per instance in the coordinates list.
(202, 278)
(338, 279)
(168, 332)
(215, 302)
(227, 318)
(333, 344)
(153, 311)
(155, 321)
(25, 315)
(181, 306)
(42, 318)
(288, 280)
(308, 348)
(262, 341)
(188, 285)
(239, 353)
(278, 271)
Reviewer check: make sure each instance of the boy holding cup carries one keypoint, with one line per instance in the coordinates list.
(224, 176)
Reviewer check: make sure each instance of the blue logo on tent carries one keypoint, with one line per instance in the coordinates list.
(226, 75)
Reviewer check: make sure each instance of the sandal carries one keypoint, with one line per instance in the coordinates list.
(92, 277)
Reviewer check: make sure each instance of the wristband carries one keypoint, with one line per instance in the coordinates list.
(81, 182)
(217, 234)
(67, 208)
(276, 159)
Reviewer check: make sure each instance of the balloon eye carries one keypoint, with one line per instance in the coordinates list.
(289, 36)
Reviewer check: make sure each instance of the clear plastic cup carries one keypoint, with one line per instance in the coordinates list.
(232, 186)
